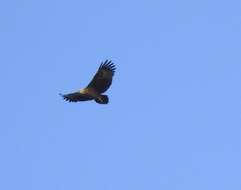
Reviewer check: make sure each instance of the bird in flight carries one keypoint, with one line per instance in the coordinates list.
(98, 85)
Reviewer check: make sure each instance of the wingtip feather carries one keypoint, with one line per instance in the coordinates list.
(109, 65)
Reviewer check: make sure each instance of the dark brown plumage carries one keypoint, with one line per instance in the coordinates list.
(98, 85)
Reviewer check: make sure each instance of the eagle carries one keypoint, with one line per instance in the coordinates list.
(97, 86)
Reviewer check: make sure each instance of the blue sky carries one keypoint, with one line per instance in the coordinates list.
(174, 117)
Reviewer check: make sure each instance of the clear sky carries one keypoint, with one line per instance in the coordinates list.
(174, 117)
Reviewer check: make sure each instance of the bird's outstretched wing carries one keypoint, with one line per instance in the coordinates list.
(103, 78)
(76, 97)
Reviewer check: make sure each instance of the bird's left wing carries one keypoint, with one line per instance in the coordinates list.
(75, 97)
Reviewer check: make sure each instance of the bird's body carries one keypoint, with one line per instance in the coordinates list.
(90, 91)
(98, 85)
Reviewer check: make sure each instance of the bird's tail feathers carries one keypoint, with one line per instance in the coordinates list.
(102, 99)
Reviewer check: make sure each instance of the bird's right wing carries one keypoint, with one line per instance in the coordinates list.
(76, 97)
(103, 78)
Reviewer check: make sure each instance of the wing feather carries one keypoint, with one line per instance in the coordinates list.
(103, 78)
(76, 97)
